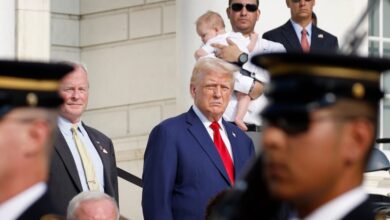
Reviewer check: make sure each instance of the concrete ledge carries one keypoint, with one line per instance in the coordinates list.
(130, 155)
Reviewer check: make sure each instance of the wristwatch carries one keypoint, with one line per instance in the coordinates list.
(242, 59)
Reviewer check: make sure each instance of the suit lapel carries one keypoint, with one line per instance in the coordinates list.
(200, 133)
(61, 147)
(315, 41)
(364, 210)
(290, 36)
(234, 143)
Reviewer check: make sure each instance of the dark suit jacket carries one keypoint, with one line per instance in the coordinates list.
(285, 34)
(41, 209)
(183, 169)
(363, 211)
(64, 182)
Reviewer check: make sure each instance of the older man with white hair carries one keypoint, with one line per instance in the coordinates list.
(92, 205)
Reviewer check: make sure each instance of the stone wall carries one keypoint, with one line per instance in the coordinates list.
(129, 49)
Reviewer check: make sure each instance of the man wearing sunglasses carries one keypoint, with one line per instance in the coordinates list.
(320, 129)
(243, 15)
(300, 33)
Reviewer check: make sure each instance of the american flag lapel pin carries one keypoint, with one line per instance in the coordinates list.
(102, 148)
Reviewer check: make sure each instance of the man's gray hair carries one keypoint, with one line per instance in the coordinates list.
(88, 196)
(210, 64)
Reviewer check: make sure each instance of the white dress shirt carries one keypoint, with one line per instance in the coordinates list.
(14, 207)
(298, 30)
(207, 124)
(340, 206)
(65, 128)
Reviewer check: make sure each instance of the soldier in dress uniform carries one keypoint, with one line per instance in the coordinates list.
(28, 99)
(320, 129)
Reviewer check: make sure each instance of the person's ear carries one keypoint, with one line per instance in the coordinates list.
(38, 134)
(359, 137)
(288, 3)
(227, 12)
(192, 90)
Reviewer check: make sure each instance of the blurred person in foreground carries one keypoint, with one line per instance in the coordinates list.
(28, 113)
(320, 128)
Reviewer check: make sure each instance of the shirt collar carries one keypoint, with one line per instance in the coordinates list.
(340, 206)
(204, 120)
(298, 28)
(65, 125)
(14, 207)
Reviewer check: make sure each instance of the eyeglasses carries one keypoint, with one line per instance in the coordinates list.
(297, 1)
(239, 6)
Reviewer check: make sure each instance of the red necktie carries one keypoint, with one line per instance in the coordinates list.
(304, 42)
(223, 152)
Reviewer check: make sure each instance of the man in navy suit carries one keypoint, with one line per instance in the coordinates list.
(183, 169)
(300, 28)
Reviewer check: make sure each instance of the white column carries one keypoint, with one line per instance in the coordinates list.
(187, 11)
(33, 29)
(7, 29)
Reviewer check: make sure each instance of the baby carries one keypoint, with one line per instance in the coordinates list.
(211, 28)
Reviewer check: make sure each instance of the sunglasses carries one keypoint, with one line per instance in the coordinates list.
(239, 6)
(298, 123)
(291, 124)
(297, 1)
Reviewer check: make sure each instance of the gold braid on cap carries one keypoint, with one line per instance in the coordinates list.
(326, 71)
(7, 82)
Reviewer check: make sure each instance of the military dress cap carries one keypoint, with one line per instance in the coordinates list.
(30, 84)
(301, 82)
